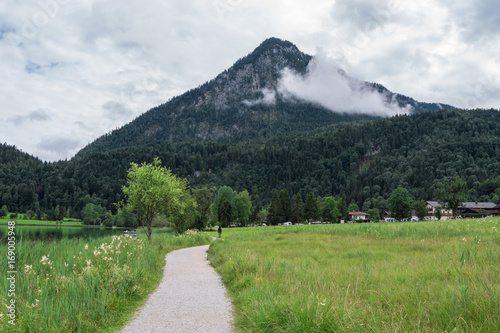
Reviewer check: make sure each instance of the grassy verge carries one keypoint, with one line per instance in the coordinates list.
(78, 285)
(405, 277)
(21, 221)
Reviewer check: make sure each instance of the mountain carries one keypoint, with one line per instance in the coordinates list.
(242, 130)
(244, 102)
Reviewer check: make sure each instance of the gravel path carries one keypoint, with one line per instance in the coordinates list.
(191, 298)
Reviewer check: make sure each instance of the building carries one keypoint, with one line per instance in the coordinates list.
(358, 216)
(479, 209)
(467, 208)
(431, 210)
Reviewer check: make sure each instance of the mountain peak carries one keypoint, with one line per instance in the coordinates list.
(275, 43)
(278, 53)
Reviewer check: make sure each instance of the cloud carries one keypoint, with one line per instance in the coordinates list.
(478, 21)
(38, 115)
(58, 145)
(34, 116)
(327, 85)
(268, 98)
(116, 110)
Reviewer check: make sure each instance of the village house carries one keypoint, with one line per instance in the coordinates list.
(467, 208)
(431, 210)
(358, 216)
(479, 209)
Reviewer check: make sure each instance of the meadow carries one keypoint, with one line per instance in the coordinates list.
(389, 277)
(20, 220)
(85, 285)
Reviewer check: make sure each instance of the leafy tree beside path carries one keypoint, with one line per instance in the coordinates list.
(152, 190)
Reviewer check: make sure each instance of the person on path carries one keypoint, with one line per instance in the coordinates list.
(219, 231)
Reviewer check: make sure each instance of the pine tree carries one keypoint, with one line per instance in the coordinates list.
(273, 216)
(310, 207)
(285, 206)
(342, 207)
(298, 210)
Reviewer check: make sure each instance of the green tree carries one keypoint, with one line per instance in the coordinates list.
(224, 211)
(229, 193)
(239, 213)
(353, 207)
(108, 220)
(92, 214)
(311, 207)
(242, 207)
(374, 214)
(329, 210)
(496, 196)
(420, 208)
(152, 189)
(3, 211)
(274, 210)
(452, 193)
(366, 205)
(285, 206)
(59, 213)
(256, 213)
(184, 217)
(30, 214)
(204, 196)
(298, 209)
(401, 203)
(343, 210)
(126, 218)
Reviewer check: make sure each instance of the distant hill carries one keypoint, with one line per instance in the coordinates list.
(243, 102)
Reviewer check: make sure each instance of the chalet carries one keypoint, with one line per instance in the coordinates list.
(431, 210)
(358, 216)
(467, 209)
(479, 208)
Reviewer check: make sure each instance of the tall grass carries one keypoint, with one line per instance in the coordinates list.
(404, 277)
(77, 285)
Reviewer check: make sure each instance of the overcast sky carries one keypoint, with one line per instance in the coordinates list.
(72, 70)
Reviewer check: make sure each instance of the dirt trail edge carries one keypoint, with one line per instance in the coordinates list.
(191, 298)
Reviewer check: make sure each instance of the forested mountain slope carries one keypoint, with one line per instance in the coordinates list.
(362, 161)
(244, 102)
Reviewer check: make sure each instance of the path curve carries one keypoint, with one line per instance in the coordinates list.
(191, 298)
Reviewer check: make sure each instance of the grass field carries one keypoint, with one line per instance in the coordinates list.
(78, 285)
(21, 221)
(399, 277)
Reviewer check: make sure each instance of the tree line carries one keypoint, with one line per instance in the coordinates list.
(362, 162)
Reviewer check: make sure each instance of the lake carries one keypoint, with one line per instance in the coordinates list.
(51, 233)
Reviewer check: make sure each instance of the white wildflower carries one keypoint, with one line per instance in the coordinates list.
(44, 260)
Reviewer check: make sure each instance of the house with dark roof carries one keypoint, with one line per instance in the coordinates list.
(479, 209)
(470, 209)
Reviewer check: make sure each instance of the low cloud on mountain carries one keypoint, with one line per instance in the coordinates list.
(269, 98)
(327, 85)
